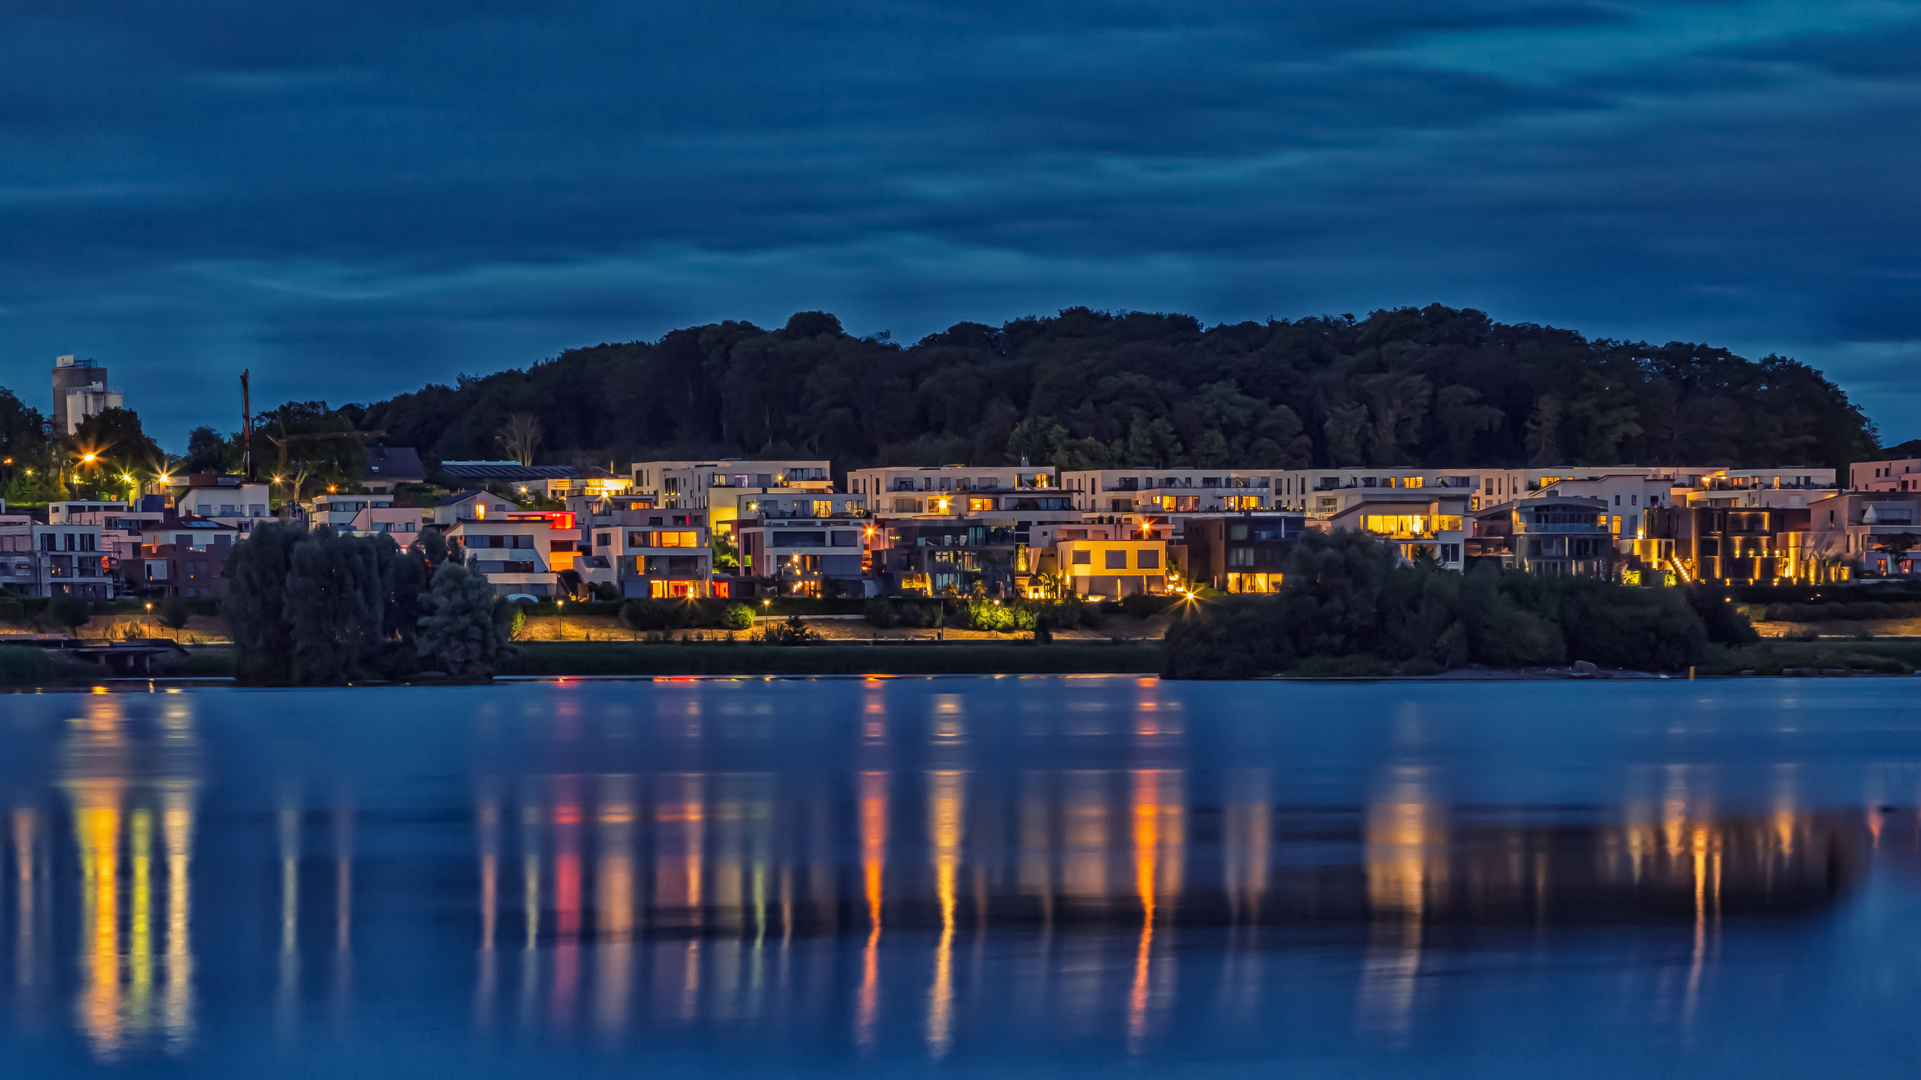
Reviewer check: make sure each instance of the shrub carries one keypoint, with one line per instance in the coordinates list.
(70, 611)
(986, 615)
(24, 665)
(172, 613)
(516, 619)
(791, 632)
(643, 616)
(606, 591)
(1142, 605)
(1234, 639)
(737, 616)
(890, 613)
(12, 610)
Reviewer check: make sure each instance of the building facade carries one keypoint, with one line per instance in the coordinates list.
(1241, 553)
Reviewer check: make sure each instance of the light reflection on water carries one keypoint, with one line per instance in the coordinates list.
(898, 873)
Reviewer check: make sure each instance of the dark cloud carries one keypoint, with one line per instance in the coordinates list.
(354, 196)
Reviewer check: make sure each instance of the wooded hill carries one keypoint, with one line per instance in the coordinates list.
(1088, 389)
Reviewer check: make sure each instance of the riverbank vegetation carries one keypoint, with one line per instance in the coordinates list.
(316, 607)
(1348, 608)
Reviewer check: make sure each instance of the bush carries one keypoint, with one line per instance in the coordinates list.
(606, 591)
(791, 632)
(986, 615)
(1142, 605)
(642, 616)
(737, 616)
(70, 611)
(172, 613)
(1348, 606)
(12, 610)
(1724, 622)
(24, 665)
(891, 613)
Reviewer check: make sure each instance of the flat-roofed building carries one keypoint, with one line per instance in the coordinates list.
(1546, 534)
(1889, 474)
(1241, 553)
(715, 486)
(813, 544)
(1421, 523)
(1874, 533)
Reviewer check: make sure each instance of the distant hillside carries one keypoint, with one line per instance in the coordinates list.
(1086, 389)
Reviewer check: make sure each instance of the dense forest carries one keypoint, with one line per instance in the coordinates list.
(1089, 389)
(1081, 389)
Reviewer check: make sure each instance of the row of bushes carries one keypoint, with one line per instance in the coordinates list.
(1849, 611)
(1346, 596)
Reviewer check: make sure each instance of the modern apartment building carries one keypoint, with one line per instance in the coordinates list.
(515, 556)
(949, 527)
(812, 544)
(1892, 474)
(1873, 532)
(1424, 523)
(1241, 553)
(1170, 491)
(46, 560)
(641, 549)
(716, 486)
(1738, 546)
(1546, 534)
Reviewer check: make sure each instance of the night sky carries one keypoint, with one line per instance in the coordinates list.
(355, 197)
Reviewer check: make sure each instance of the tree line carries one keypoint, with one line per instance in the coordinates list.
(319, 607)
(1083, 389)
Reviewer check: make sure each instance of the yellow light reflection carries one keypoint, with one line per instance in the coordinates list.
(614, 900)
(944, 832)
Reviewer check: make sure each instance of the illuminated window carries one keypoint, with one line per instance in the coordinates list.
(823, 508)
(980, 504)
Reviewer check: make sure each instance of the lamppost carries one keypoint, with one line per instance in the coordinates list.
(150, 629)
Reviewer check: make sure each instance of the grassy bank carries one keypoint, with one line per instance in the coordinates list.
(1775, 657)
(616, 658)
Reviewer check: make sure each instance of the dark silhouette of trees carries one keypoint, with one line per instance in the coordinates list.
(1432, 386)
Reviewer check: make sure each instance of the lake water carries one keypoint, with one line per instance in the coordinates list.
(973, 877)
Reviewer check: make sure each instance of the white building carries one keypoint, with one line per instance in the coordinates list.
(715, 486)
(45, 560)
(80, 390)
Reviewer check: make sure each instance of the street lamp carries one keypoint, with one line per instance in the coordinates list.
(560, 612)
(150, 618)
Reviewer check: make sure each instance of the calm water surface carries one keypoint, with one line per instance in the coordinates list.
(1038, 876)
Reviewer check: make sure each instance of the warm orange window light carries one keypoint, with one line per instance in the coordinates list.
(980, 504)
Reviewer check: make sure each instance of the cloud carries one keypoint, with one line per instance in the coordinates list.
(355, 197)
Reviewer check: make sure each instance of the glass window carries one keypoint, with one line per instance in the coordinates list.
(1083, 557)
(1237, 531)
(1116, 558)
(1149, 559)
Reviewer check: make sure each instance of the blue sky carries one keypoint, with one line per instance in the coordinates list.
(354, 197)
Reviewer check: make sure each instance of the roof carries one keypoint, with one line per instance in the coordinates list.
(465, 496)
(393, 463)
(506, 470)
